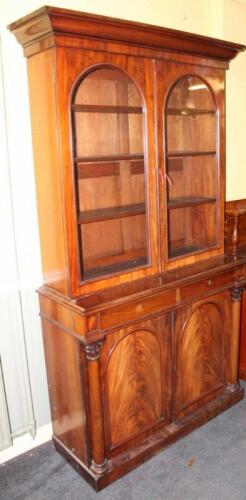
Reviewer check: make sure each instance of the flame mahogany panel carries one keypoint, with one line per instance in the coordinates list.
(137, 379)
(202, 333)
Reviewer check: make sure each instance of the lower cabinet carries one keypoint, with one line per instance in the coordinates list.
(120, 395)
(136, 382)
(202, 346)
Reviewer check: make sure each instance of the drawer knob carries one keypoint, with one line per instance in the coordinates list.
(210, 283)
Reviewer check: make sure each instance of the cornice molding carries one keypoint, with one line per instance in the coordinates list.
(49, 21)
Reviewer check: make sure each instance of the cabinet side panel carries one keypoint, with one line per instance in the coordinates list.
(41, 75)
(66, 389)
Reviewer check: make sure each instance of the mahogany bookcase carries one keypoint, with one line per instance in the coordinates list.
(140, 305)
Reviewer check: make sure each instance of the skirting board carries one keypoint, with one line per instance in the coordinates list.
(25, 443)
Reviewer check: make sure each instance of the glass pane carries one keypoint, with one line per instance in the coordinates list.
(108, 140)
(117, 133)
(192, 229)
(108, 87)
(194, 177)
(190, 133)
(101, 184)
(191, 116)
(113, 245)
(191, 168)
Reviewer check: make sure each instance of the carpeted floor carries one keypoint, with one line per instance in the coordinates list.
(209, 464)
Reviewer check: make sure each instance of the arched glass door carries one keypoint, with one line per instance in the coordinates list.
(191, 168)
(109, 159)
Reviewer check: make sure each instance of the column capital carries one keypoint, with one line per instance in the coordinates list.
(236, 292)
(92, 351)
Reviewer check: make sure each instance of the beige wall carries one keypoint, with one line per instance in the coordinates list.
(20, 268)
(234, 29)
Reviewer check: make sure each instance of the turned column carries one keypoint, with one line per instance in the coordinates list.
(236, 296)
(232, 236)
(99, 461)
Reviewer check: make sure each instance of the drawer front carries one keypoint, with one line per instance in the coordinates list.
(209, 285)
(137, 309)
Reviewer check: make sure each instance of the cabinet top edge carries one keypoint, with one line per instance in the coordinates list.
(156, 283)
(52, 20)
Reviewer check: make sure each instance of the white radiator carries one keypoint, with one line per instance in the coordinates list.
(5, 434)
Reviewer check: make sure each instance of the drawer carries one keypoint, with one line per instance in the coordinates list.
(138, 308)
(208, 285)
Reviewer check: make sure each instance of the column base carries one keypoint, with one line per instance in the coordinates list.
(233, 387)
(99, 468)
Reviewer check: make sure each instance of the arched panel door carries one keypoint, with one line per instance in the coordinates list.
(191, 168)
(136, 380)
(202, 336)
(109, 158)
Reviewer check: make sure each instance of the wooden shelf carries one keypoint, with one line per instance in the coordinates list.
(189, 112)
(114, 268)
(111, 213)
(93, 108)
(189, 201)
(177, 252)
(185, 154)
(107, 158)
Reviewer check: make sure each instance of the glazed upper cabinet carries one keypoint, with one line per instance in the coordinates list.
(135, 178)
(115, 168)
(112, 167)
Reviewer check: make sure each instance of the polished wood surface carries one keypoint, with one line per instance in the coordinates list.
(158, 378)
(140, 306)
(137, 380)
(99, 462)
(201, 339)
(87, 25)
(47, 171)
(236, 296)
(67, 395)
(235, 226)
